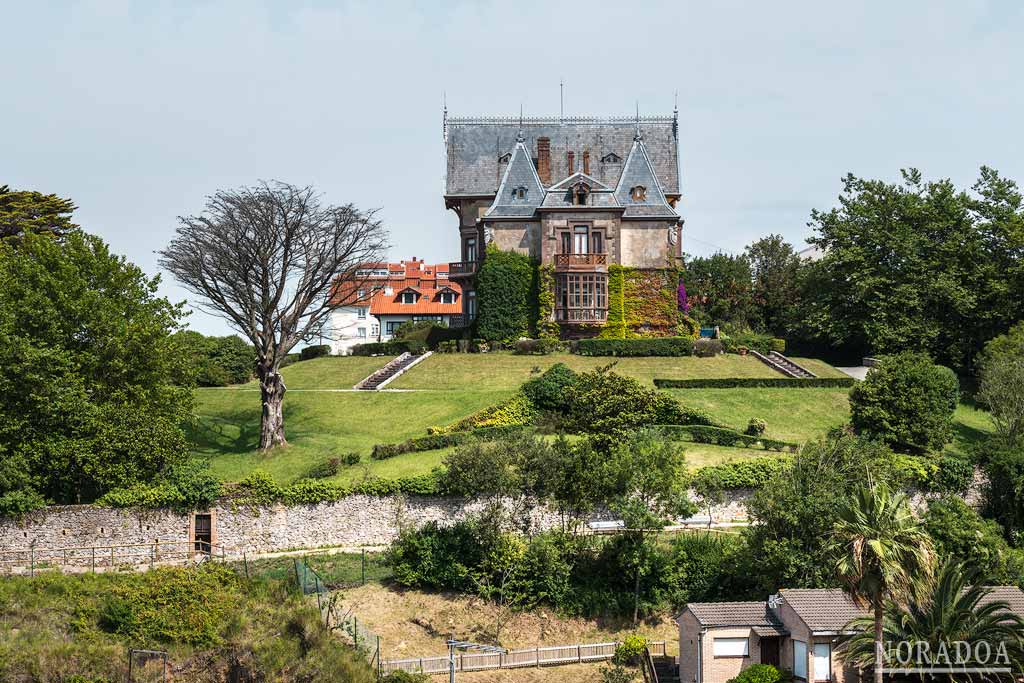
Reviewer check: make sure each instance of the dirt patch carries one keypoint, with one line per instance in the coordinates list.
(570, 673)
(416, 624)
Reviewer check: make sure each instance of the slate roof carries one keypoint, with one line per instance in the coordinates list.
(519, 172)
(474, 145)
(823, 609)
(638, 170)
(756, 615)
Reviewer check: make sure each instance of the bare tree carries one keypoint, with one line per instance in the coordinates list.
(266, 259)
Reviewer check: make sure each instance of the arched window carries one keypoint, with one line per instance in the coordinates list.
(580, 193)
(639, 193)
(611, 158)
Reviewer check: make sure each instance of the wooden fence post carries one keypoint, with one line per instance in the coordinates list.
(92, 561)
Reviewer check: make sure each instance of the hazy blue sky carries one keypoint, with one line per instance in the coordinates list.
(138, 110)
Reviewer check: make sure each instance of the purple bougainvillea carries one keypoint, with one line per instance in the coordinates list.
(684, 304)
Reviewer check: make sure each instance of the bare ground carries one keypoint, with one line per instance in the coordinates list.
(417, 624)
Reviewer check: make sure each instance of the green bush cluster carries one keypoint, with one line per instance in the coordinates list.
(317, 351)
(762, 343)
(723, 436)
(538, 347)
(630, 649)
(185, 487)
(756, 383)
(259, 488)
(906, 401)
(218, 361)
(707, 348)
(548, 391)
(750, 473)
(506, 292)
(431, 442)
(758, 673)
(325, 469)
(516, 411)
(643, 346)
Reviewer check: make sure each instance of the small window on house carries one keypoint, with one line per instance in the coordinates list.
(361, 332)
(361, 313)
(360, 294)
(800, 659)
(730, 647)
(504, 158)
(409, 297)
(611, 158)
(519, 193)
(639, 193)
(447, 297)
(375, 330)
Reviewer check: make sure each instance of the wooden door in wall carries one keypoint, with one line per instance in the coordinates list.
(203, 533)
(770, 651)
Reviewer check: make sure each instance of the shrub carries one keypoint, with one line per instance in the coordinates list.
(758, 673)
(310, 491)
(723, 436)
(1001, 382)
(750, 473)
(311, 352)
(907, 401)
(630, 649)
(755, 427)
(953, 474)
(757, 383)
(644, 346)
(778, 345)
(516, 411)
(548, 392)
(326, 469)
(185, 487)
(688, 327)
(388, 348)
(538, 347)
(442, 439)
(447, 346)
(707, 348)
(405, 677)
(259, 488)
(762, 343)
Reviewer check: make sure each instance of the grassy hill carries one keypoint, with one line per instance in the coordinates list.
(324, 418)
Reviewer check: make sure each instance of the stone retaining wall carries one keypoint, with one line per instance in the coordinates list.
(352, 521)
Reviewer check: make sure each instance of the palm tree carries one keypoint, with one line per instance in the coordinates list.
(882, 552)
(956, 608)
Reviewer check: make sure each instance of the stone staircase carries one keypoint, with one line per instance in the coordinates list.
(784, 365)
(666, 669)
(393, 369)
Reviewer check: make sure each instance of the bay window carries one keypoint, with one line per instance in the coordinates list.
(581, 297)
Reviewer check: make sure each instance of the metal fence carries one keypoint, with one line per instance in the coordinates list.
(551, 655)
(106, 557)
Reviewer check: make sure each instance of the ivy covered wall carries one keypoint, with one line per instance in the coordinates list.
(506, 295)
(641, 303)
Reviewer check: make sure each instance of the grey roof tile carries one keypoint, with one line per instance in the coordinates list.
(519, 173)
(753, 614)
(474, 145)
(638, 171)
(823, 609)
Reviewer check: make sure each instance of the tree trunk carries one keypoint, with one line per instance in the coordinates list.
(878, 639)
(272, 390)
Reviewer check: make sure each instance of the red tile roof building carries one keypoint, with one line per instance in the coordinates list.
(389, 294)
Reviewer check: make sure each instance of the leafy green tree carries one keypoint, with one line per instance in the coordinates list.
(959, 533)
(908, 402)
(23, 212)
(720, 290)
(882, 552)
(775, 267)
(218, 361)
(95, 387)
(650, 483)
(1003, 465)
(957, 606)
(506, 296)
(794, 513)
(917, 265)
(1001, 379)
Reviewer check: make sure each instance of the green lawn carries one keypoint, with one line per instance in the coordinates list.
(505, 370)
(331, 372)
(320, 425)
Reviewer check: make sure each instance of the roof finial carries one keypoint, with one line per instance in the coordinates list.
(638, 136)
(444, 116)
(521, 137)
(561, 100)
(675, 103)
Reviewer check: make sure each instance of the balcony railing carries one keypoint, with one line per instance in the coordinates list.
(460, 321)
(461, 268)
(579, 261)
(581, 315)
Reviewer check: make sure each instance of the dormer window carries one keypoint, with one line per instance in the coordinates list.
(505, 158)
(447, 297)
(611, 158)
(580, 193)
(639, 193)
(519, 193)
(409, 297)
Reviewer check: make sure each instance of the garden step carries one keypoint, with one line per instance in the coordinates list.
(784, 365)
(394, 368)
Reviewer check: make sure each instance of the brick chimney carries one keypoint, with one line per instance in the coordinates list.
(544, 160)
(572, 163)
(586, 161)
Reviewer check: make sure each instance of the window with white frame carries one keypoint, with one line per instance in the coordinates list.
(409, 297)
(375, 330)
(361, 332)
(447, 297)
(822, 662)
(361, 313)
(730, 647)
(800, 659)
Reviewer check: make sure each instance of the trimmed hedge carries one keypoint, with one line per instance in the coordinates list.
(645, 346)
(311, 352)
(723, 437)
(757, 383)
(431, 442)
(751, 473)
(762, 343)
(259, 488)
(389, 348)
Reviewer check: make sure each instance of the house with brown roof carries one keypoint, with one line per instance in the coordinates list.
(382, 296)
(797, 630)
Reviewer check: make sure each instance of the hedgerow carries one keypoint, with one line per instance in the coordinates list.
(643, 346)
(750, 473)
(432, 442)
(756, 383)
(723, 436)
(516, 411)
(506, 296)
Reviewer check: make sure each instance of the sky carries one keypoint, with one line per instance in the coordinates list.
(140, 110)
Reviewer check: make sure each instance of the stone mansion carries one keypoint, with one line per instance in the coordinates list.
(576, 193)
